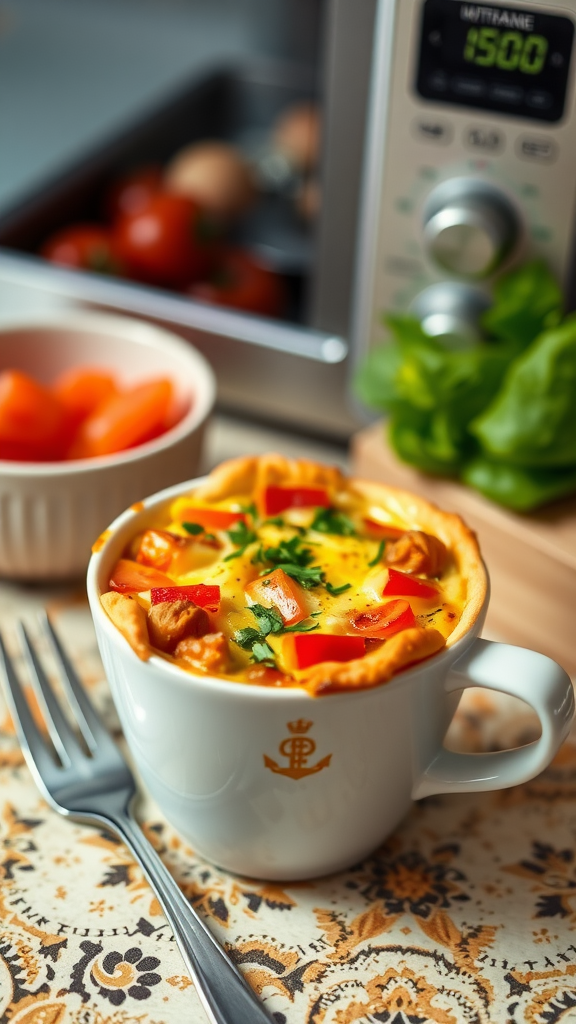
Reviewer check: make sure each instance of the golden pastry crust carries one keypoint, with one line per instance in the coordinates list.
(243, 481)
(130, 620)
(251, 474)
(400, 651)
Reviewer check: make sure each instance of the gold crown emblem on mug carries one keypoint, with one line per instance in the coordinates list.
(300, 726)
(297, 748)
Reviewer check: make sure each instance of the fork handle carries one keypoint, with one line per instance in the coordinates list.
(226, 997)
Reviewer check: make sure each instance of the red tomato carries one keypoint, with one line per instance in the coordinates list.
(305, 649)
(277, 499)
(211, 518)
(128, 419)
(169, 241)
(385, 619)
(239, 281)
(410, 586)
(202, 594)
(33, 422)
(82, 389)
(132, 192)
(279, 591)
(84, 247)
(129, 577)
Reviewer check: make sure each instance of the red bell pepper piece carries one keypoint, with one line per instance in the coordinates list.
(306, 649)
(279, 591)
(385, 619)
(278, 499)
(130, 577)
(409, 586)
(202, 594)
(210, 518)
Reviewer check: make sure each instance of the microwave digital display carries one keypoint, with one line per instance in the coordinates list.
(508, 59)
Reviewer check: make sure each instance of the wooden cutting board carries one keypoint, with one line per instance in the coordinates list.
(531, 559)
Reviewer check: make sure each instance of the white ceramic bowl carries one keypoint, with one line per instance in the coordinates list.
(51, 513)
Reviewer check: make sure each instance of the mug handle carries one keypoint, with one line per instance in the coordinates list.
(532, 677)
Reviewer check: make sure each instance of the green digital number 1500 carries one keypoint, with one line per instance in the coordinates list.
(509, 51)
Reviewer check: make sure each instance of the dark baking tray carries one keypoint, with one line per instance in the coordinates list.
(282, 370)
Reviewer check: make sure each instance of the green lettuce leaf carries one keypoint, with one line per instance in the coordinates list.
(532, 420)
(501, 415)
(431, 392)
(527, 301)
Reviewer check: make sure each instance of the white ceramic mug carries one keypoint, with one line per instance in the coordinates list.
(276, 784)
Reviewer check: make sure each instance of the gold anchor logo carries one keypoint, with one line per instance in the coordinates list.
(297, 748)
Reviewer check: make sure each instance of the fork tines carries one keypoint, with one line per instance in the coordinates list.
(68, 744)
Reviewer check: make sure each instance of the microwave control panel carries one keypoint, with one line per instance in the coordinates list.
(471, 162)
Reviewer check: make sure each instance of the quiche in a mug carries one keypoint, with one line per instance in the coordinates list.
(286, 649)
(284, 573)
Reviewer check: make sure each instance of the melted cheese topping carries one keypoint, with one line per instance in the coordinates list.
(352, 565)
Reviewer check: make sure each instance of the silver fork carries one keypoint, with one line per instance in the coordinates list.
(95, 785)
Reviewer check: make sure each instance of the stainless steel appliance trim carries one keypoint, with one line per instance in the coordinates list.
(345, 94)
(154, 303)
(375, 155)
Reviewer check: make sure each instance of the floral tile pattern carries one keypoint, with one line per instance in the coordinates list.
(467, 915)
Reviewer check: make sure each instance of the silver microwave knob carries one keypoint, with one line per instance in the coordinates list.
(469, 227)
(451, 312)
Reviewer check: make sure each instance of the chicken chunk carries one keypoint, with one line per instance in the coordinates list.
(208, 653)
(173, 621)
(417, 552)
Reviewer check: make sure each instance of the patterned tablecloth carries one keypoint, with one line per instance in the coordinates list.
(467, 914)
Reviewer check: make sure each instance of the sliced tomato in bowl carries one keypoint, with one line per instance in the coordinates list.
(125, 420)
(81, 389)
(34, 423)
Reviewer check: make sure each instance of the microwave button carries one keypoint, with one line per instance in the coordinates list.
(544, 150)
(539, 99)
(468, 88)
(438, 81)
(501, 92)
(428, 130)
(489, 140)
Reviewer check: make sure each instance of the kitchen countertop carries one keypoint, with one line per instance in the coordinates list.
(229, 436)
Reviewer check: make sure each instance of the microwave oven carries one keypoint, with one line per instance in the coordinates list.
(470, 163)
(448, 155)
